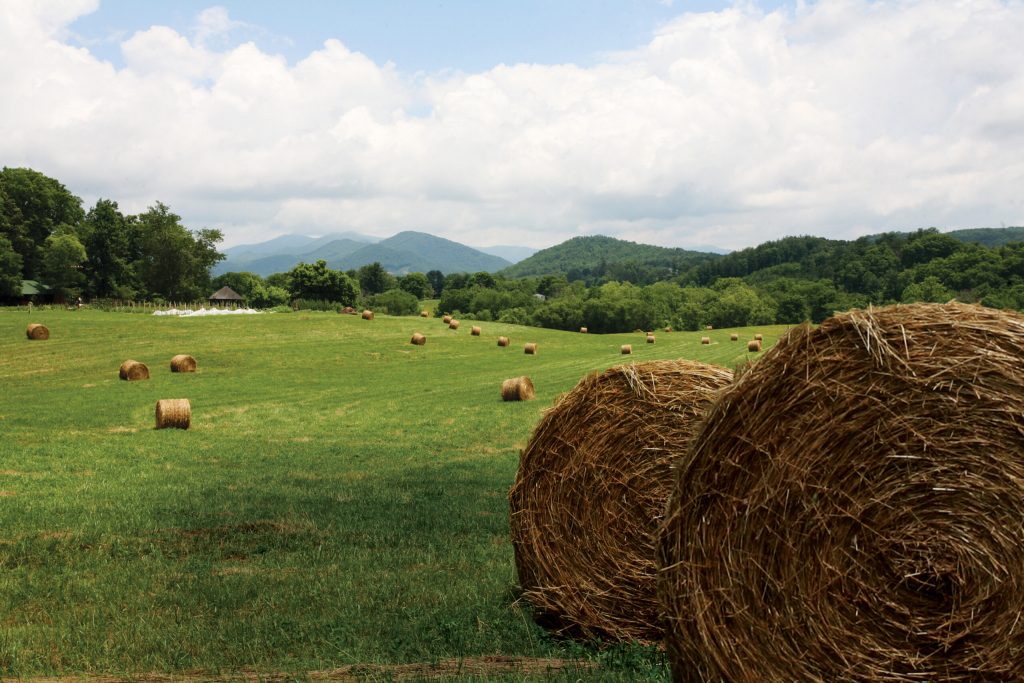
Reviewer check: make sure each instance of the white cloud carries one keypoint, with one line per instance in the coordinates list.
(839, 117)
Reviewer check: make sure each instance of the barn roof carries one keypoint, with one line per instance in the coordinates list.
(225, 293)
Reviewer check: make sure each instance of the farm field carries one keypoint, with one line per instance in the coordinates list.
(340, 498)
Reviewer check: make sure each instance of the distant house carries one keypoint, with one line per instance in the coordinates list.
(226, 295)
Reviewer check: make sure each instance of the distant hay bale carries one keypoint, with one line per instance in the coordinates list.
(37, 332)
(367, 314)
(132, 370)
(668, 328)
(418, 339)
(348, 310)
(591, 487)
(650, 339)
(626, 349)
(705, 340)
(183, 363)
(502, 341)
(583, 330)
(709, 327)
(424, 314)
(475, 331)
(754, 345)
(530, 349)
(453, 324)
(759, 337)
(446, 319)
(734, 337)
(517, 389)
(173, 413)
(851, 510)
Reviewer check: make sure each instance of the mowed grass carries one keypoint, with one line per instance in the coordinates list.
(341, 497)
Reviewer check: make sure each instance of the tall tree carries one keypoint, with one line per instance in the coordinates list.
(112, 247)
(175, 263)
(33, 207)
(373, 279)
(62, 258)
(317, 281)
(10, 269)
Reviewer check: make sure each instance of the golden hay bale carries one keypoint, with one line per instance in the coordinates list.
(418, 339)
(424, 314)
(132, 370)
(453, 324)
(734, 337)
(183, 363)
(668, 328)
(348, 310)
(502, 341)
(517, 389)
(37, 332)
(650, 339)
(446, 319)
(592, 484)
(705, 340)
(709, 327)
(367, 315)
(851, 510)
(759, 337)
(583, 330)
(530, 349)
(475, 331)
(173, 412)
(754, 345)
(626, 349)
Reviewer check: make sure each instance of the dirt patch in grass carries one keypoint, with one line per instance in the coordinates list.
(443, 670)
(6, 494)
(10, 473)
(122, 430)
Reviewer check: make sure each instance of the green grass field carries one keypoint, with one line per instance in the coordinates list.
(340, 498)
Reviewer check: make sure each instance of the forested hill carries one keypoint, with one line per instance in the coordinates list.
(989, 237)
(598, 258)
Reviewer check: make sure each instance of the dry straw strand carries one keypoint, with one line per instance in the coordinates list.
(367, 314)
(132, 370)
(183, 363)
(530, 349)
(37, 332)
(591, 487)
(475, 331)
(517, 389)
(626, 349)
(173, 413)
(502, 341)
(851, 510)
(418, 339)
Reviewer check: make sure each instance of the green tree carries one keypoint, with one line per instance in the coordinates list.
(317, 281)
(174, 262)
(111, 245)
(33, 207)
(62, 258)
(395, 302)
(256, 291)
(929, 290)
(373, 279)
(436, 278)
(10, 269)
(416, 284)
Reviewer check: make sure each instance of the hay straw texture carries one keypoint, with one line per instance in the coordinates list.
(650, 339)
(518, 389)
(530, 349)
(183, 363)
(591, 489)
(851, 510)
(453, 324)
(754, 345)
(705, 340)
(132, 370)
(475, 331)
(418, 339)
(173, 413)
(734, 337)
(424, 314)
(367, 315)
(626, 349)
(583, 330)
(446, 319)
(37, 332)
(502, 341)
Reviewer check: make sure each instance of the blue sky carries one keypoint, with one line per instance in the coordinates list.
(423, 36)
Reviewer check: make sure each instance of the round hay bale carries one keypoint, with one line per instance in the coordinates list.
(734, 337)
(367, 315)
(705, 340)
(759, 337)
(424, 314)
(583, 330)
(453, 324)
(709, 327)
(530, 349)
(518, 389)
(851, 510)
(475, 331)
(37, 332)
(650, 339)
(668, 328)
(418, 339)
(173, 413)
(754, 345)
(183, 363)
(446, 319)
(591, 488)
(502, 341)
(348, 310)
(132, 370)
(626, 349)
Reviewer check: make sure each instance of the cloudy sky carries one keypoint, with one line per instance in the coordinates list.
(528, 121)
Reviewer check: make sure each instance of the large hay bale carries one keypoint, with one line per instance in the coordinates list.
(754, 345)
(650, 339)
(446, 319)
(475, 331)
(367, 314)
(453, 324)
(734, 337)
(591, 487)
(418, 339)
(530, 349)
(424, 314)
(132, 370)
(705, 340)
(851, 510)
(626, 349)
(583, 330)
(37, 332)
(517, 389)
(173, 413)
(502, 341)
(183, 363)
